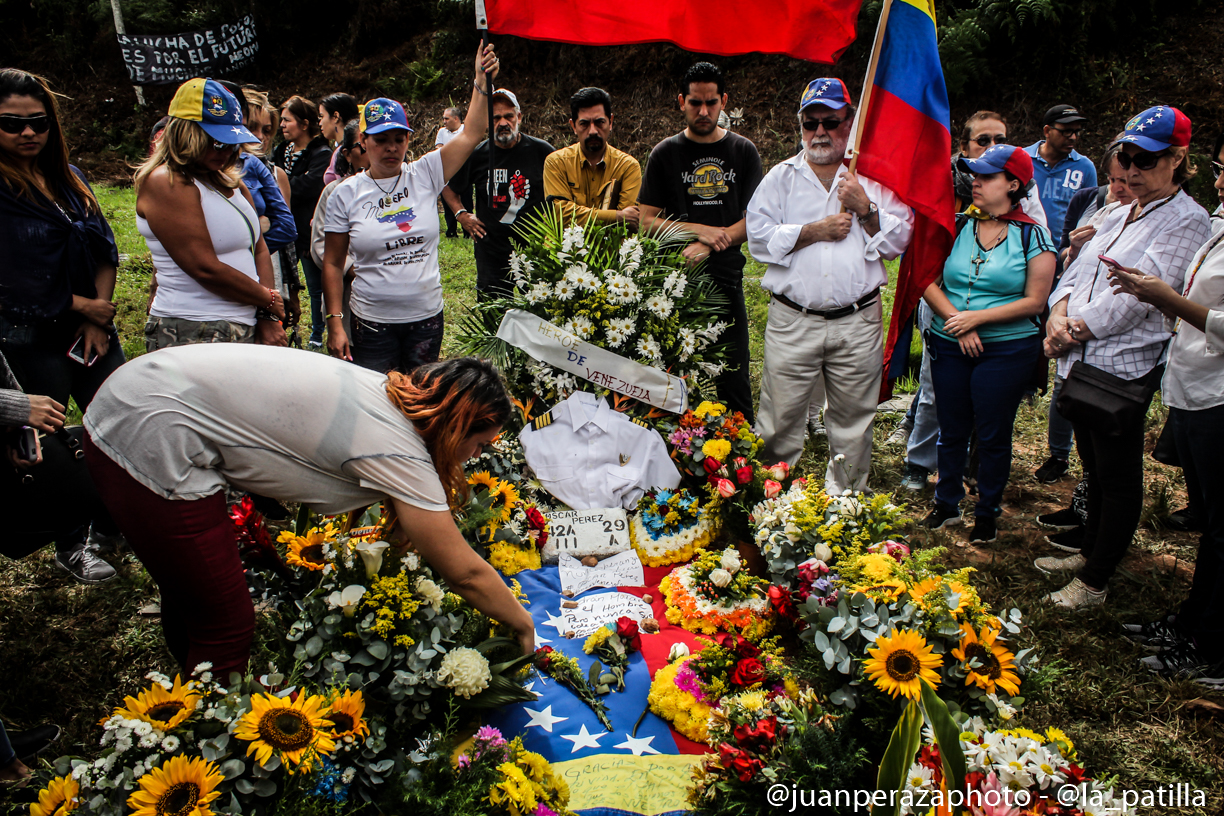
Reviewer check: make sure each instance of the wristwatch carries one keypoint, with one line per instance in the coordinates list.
(872, 209)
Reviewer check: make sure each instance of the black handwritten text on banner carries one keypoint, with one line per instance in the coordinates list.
(155, 59)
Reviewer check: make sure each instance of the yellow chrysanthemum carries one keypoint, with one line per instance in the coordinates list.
(307, 551)
(296, 731)
(160, 707)
(877, 567)
(996, 665)
(535, 766)
(900, 661)
(58, 798)
(515, 791)
(483, 478)
(751, 700)
(717, 449)
(597, 639)
(347, 716)
(180, 787)
(709, 409)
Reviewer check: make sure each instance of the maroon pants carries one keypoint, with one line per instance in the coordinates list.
(191, 550)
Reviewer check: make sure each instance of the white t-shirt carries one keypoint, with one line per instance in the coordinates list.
(393, 231)
(445, 135)
(280, 422)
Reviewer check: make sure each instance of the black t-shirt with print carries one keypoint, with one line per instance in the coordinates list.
(708, 184)
(518, 174)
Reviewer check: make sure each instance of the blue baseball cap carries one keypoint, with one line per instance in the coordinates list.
(1158, 128)
(218, 112)
(828, 91)
(999, 158)
(383, 114)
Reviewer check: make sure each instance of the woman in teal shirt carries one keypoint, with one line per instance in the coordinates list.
(986, 335)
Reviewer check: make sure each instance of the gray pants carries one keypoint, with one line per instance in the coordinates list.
(924, 438)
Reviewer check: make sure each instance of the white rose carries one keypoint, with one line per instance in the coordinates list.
(720, 577)
(731, 561)
(466, 671)
(822, 552)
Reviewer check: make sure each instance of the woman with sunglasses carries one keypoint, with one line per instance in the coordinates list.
(351, 159)
(1156, 235)
(214, 274)
(57, 276)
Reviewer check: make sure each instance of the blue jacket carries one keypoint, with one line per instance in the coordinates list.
(268, 201)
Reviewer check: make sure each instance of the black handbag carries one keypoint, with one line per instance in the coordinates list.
(1109, 404)
(50, 499)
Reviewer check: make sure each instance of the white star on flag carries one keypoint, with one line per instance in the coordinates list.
(554, 622)
(544, 719)
(540, 639)
(638, 745)
(583, 739)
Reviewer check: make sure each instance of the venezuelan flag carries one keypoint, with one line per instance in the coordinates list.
(907, 146)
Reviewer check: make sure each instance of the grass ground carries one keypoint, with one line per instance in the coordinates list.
(70, 652)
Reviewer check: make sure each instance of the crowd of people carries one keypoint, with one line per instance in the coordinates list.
(1122, 284)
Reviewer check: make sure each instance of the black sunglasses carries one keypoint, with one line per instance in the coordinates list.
(1070, 134)
(985, 139)
(1143, 161)
(831, 124)
(17, 124)
(356, 147)
(222, 146)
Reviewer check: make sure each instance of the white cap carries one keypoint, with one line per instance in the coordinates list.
(511, 98)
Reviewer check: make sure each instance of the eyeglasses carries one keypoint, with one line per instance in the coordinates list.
(223, 147)
(1070, 134)
(17, 124)
(1216, 169)
(986, 139)
(1142, 161)
(831, 124)
(356, 147)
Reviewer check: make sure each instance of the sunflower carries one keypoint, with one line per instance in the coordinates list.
(483, 478)
(58, 798)
(995, 665)
(297, 731)
(347, 716)
(180, 787)
(160, 707)
(900, 661)
(885, 589)
(504, 496)
(307, 551)
(924, 588)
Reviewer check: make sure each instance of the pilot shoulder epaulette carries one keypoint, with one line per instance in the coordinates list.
(542, 421)
(642, 422)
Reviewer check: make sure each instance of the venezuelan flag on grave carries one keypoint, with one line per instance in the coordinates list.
(613, 773)
(815, 30)
(906, 146)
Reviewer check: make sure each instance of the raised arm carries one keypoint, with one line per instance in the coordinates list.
(455, 152)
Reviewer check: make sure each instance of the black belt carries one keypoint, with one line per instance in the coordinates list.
(831, 314)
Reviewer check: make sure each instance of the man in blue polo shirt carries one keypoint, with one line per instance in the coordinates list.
(1059, 171)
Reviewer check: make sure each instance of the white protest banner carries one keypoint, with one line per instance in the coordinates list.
(580, 533)
(157, 59)
(553, 345)
(596, 610)
(619, 570)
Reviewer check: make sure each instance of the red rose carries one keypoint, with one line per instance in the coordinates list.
(746, 768)
(627, 628)
(780, 600)
(543, 655)
(535, 519)
(711, 465)
(748, 671)
(759, 738)
(744, 475)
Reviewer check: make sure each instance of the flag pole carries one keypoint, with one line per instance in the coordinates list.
(482, 25)
(868, 83)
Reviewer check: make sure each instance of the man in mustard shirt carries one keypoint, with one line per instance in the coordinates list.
(590, 178)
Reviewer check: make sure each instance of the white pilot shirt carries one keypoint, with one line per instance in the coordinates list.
(590, 456)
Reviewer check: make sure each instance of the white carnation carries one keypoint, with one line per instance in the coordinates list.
(466, 671)
(430, 592)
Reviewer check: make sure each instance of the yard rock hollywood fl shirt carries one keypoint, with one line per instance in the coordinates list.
(393, 232)
(708, 184)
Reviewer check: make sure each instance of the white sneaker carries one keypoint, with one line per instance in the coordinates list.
(1077, 595)
(816, 427)
(1052, 563)
(900, 435)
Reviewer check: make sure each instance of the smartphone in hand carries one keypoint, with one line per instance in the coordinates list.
(25, 444)
(77, 352)
(1109, 261)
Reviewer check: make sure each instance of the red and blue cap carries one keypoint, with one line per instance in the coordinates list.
(999, 158)
(217, 111)
(383, 114)
(1158, 128)
(828, 91)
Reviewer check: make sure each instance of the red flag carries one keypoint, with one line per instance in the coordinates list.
(906, 146)
(814, 30)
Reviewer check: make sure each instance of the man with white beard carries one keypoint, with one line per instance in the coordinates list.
(518, 190)
(824, 234)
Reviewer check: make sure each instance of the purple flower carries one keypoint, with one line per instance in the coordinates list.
(686, 680)
(544, 810)
(490, 737)
(464, 761)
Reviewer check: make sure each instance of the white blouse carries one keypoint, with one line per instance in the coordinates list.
(1194, 378)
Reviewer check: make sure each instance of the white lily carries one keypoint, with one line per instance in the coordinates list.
(346, 601)
(371, 553)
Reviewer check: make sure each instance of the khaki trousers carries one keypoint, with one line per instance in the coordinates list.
(846, 356)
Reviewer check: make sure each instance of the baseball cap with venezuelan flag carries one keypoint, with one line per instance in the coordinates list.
(383, 114)
(999, 158)
(828, 91)
(216, 109)
(1157, 129)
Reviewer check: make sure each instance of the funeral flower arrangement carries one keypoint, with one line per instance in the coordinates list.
(806, 522)
(586, 687)
(669, 527)
(633, 294)
(1010, 772)
(686, 690)
(177, 746)
(382, 622)
(611, 645)
(715, 593)
(491, 776)
(710, 443)
(763, 739)
(507, 531)
(889, 621)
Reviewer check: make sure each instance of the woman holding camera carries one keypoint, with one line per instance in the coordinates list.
(985, 335)
(1116, 333)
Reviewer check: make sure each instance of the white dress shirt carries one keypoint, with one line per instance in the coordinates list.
(1129, 333)
(825, 274)
(591, 456)
(445, 135)
(1194, 378)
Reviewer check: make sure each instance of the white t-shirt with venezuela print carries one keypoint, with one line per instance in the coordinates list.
(392, 224)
